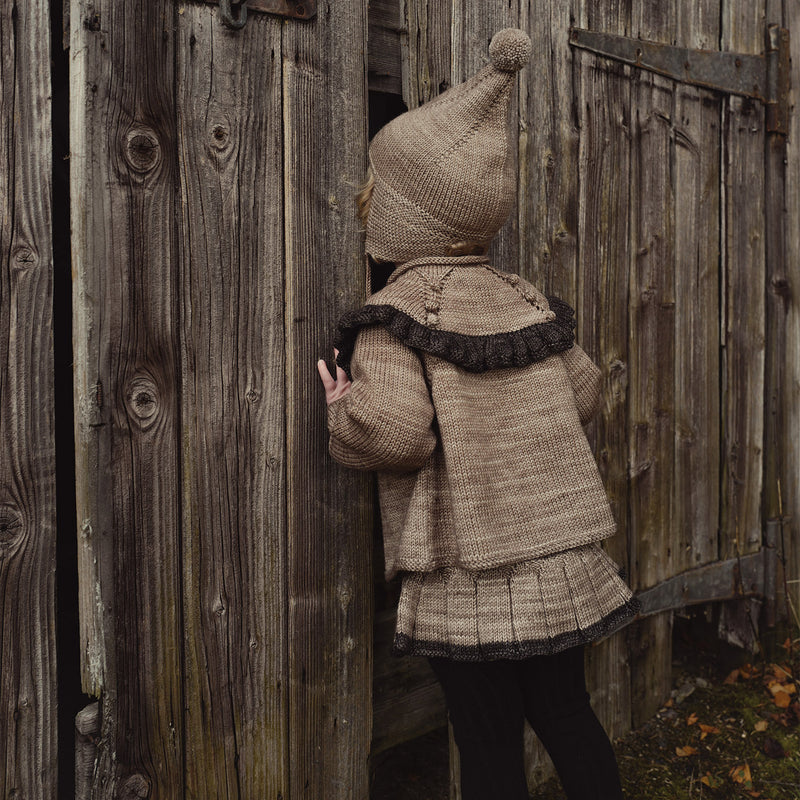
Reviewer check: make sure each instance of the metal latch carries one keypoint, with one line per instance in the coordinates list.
(234, 12)
(762, 77)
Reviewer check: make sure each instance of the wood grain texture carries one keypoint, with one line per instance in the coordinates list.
(127, 361)
(697, 421)
(407, 700)
(652, 313)
(548, 151)
(473, 26)
(384, 51)
(603, 272)
(603, 103)
(743, 320)
(229, 112)
(28, 696)
(426, 50)
(649, 647)
(790, 390)
(329, 510)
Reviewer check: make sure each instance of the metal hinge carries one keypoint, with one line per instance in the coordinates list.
(234, 12)
(762, 77)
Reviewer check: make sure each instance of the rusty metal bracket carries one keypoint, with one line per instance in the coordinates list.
(294, 9)
(762, 77)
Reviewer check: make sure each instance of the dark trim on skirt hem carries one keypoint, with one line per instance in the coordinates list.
(407, 646)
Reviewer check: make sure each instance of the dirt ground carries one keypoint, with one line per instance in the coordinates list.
(729, 731)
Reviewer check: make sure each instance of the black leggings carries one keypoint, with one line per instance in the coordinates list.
(488, 702)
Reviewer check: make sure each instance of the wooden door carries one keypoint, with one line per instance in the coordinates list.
(225, 558)
(656, 208)
(28, 690)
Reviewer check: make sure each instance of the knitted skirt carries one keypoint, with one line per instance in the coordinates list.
(536, 607)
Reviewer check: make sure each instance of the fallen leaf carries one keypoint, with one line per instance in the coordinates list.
(748, 671)
(708, 728)
(782, 700)
(777, 686)
(754, 794)
(711, 781)
(669, 703)
(732, 677)
(773, 748)
(787, 645)
(691, 719)
(761, 725)
(686, 751)
(741, 774)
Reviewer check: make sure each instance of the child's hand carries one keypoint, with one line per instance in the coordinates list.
(335, 389)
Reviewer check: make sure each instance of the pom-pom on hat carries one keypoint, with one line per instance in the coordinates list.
(443, 172)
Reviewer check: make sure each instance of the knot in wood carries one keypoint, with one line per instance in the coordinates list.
(10, 526)
(136, 786)
(142, 149)
(142, 400)
(219, 137)
(23, 258)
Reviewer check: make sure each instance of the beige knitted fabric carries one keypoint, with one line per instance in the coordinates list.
(443, 172)
(477, 469)
(536, 607)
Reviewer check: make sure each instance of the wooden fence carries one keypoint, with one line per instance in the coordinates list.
(225, 561)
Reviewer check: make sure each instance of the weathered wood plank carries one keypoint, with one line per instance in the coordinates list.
(603, 103)
(696, 181)
(650, 646)
(384, 53)
(329, 510)
(602, 283)
(608, 679)
(652, 313)
(790, 389)
(426, 66)
(743, 320)
(656, 539)
(473, 25)
(233, 410)
(407, 700)
(548, 151)
(126, 383)
(28, 692)
(87, 732)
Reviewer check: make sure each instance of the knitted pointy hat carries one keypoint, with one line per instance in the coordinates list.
(444, 172)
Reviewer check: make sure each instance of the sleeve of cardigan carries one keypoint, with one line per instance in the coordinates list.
(586, 380)
(385, 422)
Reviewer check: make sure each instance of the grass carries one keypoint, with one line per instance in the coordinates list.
(730, 731)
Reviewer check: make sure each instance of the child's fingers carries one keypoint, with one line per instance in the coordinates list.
(327, 379)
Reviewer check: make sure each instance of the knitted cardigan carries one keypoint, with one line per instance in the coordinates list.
(468, 398)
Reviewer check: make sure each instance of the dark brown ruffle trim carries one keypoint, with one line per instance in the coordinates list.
(406, 646)
(472, 353)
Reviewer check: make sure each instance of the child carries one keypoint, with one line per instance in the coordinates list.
(468, 397)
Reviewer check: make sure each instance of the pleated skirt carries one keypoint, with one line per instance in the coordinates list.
(537, 607)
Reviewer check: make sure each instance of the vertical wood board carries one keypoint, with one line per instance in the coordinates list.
(426, 58)
(652, 312)
(28, 691)
(548, 152)
(603, 101)
(697, 409)
(229, 112)
(790, 390)
(473, 26)
(329, 509)
(126, 353)
(743, 323)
